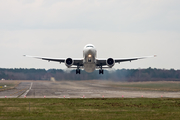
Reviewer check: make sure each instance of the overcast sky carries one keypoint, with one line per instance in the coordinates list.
(117, 28)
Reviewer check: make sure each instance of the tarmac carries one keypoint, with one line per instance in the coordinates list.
(79, 89)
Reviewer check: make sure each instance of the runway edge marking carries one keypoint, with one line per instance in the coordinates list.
(25, 93)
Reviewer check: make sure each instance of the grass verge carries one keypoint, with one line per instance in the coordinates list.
(90, 109)
(152, 86)
(9, 85)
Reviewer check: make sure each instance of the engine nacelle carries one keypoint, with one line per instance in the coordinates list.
(69, 62)
(110, 62)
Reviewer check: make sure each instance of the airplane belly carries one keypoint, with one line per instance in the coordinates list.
(89, 67)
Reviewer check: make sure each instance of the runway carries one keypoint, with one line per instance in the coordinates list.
(79, 89)
(17, 91)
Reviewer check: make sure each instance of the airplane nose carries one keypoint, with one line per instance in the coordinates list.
(90, 51)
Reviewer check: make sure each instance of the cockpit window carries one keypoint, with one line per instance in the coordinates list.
(89, 46)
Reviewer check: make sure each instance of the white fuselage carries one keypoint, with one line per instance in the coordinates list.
(89, 55)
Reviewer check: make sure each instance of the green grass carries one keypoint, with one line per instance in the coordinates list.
(9, 85)
(155, 86)
(90, 109)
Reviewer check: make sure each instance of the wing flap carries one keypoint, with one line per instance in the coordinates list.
(77, 61)
(48, 59)
(102, 62)
(118, 60)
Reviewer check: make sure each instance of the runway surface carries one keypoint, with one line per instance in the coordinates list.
(79, 89)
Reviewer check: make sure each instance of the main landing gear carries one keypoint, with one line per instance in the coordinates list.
(78, 70)
(101, 71)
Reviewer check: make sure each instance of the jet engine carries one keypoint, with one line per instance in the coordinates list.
(69, 62)
(110, 62)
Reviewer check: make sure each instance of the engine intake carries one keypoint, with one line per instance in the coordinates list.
(69, 62)
(110, 62)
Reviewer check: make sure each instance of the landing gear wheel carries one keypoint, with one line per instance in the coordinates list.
(101, 71)
(78, 71)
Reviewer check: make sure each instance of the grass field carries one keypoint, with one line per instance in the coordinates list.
(90, 109)
(155, 86)
(9, 84)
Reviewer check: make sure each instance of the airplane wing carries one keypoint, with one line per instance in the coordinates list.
(102, 62)
(77, 61)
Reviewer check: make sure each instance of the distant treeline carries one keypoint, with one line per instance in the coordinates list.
(117, 75)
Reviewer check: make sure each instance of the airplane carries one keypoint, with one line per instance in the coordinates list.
(89, 62)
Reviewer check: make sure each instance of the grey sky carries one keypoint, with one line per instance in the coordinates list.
(118, 28)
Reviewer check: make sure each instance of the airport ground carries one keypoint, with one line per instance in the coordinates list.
(89, 89)
(90, 99)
